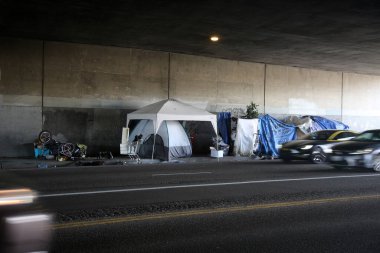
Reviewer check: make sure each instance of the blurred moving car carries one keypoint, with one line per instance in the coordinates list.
(361, 151)
(312, 146)
(24, 225)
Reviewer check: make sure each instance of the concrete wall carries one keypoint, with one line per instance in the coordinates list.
(89, 89)
(20, 95)
(215, 84)
(361, 101)
(82, 93)
(88, 76)
(298, 91)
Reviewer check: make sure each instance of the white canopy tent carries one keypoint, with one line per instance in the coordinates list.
(171, 109)
(168, 110)
(174, 142)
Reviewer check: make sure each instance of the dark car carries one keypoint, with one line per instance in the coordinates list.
(361, 151)
(24, 225)
(311, 147)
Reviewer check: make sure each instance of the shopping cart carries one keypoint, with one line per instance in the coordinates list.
(131, 149)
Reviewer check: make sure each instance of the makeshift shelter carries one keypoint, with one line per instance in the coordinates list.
(304, 123)
(170, 110)
(171, 140)
(274, 133)
(246, 142)
(224, 126)
(320, 123)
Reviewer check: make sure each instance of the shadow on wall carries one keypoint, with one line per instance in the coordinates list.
(99, 129)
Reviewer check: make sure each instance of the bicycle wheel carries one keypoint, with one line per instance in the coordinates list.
(44, 136)
(66, 149)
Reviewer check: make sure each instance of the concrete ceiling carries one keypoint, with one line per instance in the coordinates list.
(338, 36)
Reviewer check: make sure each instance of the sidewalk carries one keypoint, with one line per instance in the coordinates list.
(32, 163)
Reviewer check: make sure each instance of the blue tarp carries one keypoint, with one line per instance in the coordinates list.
(273, 133)
(224, 124)
(323, 123)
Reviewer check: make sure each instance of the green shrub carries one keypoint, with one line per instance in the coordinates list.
(252, 111)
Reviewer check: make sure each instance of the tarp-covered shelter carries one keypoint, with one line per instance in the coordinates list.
(246, 142)
(321, 123)
(171, 140)
(224, 126)
(274, 133)
(171, 110)
(304, 123)
(308, 124)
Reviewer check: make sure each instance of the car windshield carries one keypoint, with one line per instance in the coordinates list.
(319, 135)
(368, 136)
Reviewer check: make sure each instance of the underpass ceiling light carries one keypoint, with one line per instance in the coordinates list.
(214, 38)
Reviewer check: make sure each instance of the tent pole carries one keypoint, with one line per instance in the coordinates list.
(217, 141)
(154, 144)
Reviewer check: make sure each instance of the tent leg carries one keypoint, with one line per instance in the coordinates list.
(217, 145)
(154, 144)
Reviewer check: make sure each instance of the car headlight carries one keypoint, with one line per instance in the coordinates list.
(362, 151)
(16, 197)
(307, 147)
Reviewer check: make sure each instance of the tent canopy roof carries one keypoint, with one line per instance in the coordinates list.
(171, 109)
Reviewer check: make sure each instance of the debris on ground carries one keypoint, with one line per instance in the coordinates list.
(89, 163)
(47, 148)
(105, 155)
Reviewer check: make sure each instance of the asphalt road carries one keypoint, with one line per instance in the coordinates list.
(252, 206)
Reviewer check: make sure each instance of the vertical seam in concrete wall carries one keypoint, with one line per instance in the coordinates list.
(42, 84)
(265, 85)
(217, 83)
(130, 68)
(169, 66)
(341, 99)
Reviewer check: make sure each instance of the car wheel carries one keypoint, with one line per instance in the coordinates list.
(376, 163)
(318, 156)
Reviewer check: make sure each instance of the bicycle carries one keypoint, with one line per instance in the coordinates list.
(57, 148)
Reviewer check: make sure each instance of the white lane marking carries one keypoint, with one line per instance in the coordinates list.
(202, 185)
(181, 173)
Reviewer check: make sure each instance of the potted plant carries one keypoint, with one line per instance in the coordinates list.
(252, 111)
